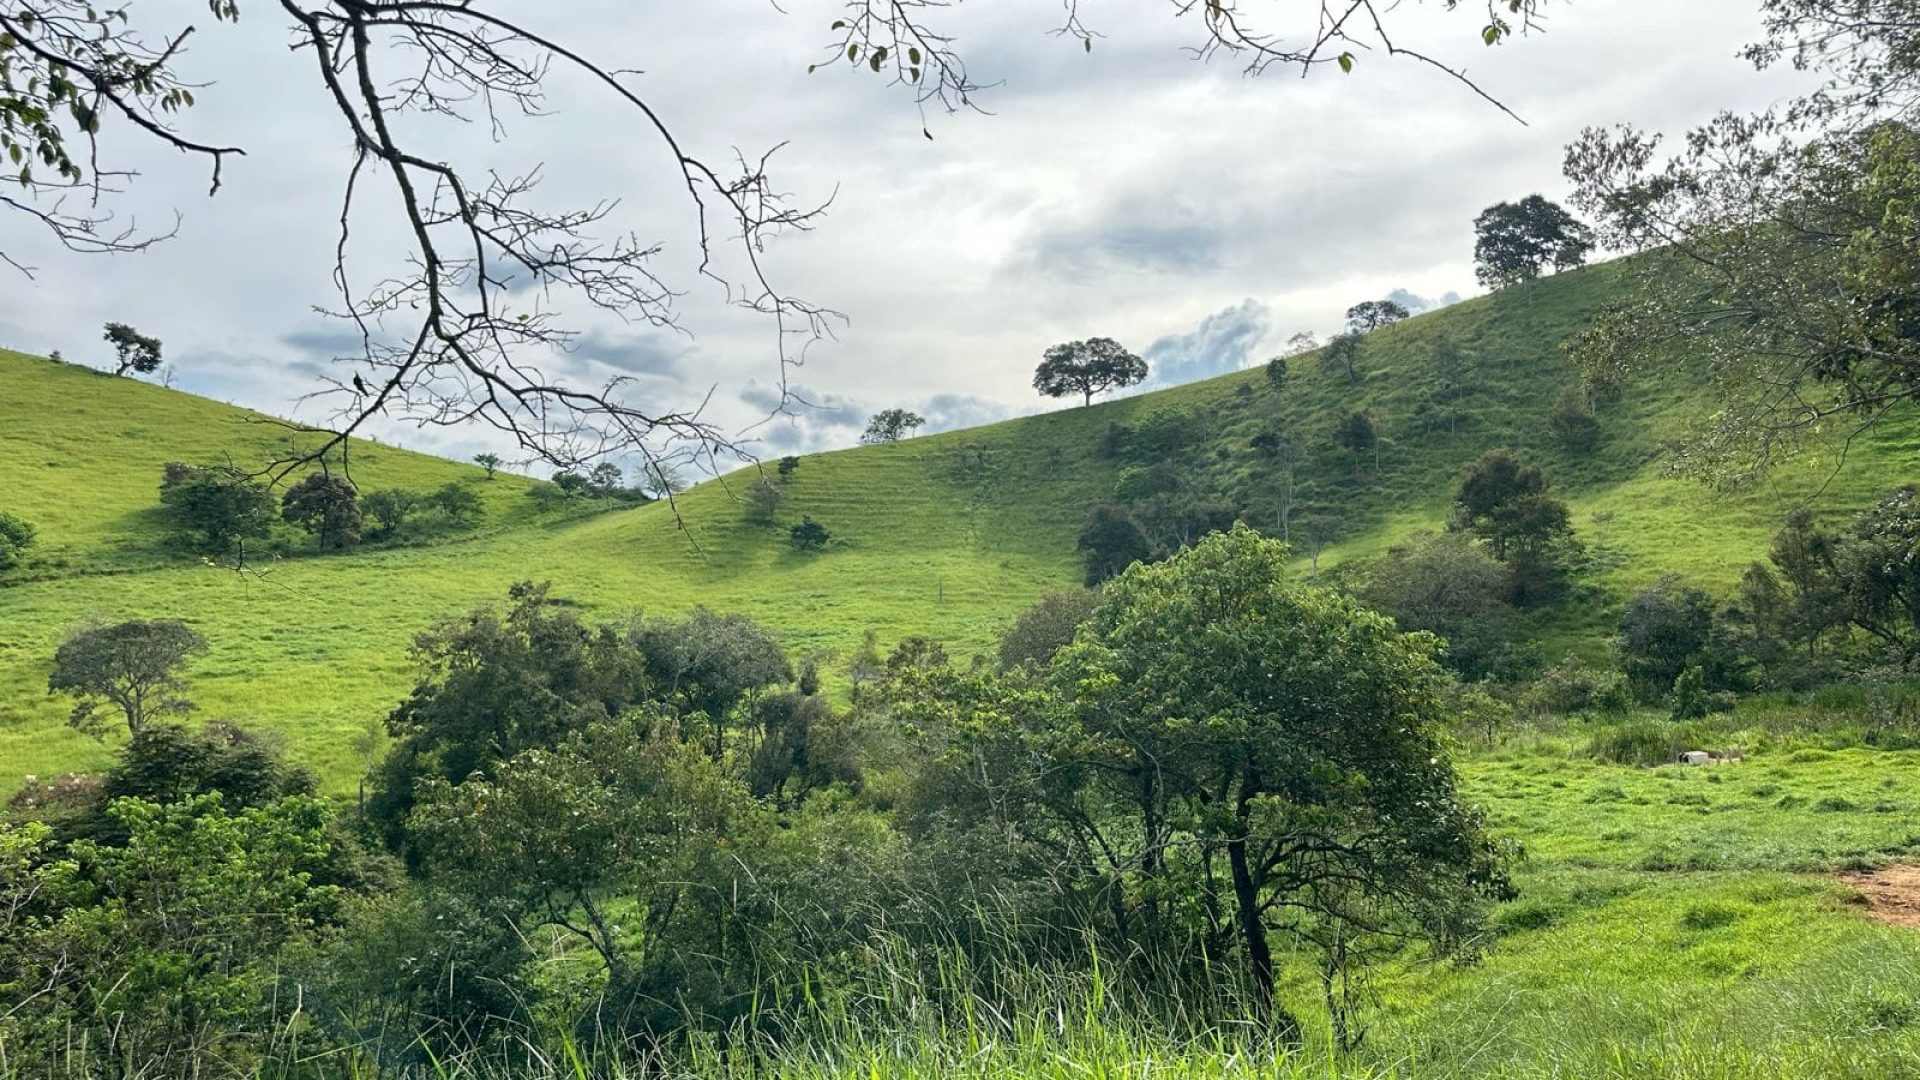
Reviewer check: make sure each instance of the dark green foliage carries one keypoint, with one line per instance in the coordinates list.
(133, 666)
(808, 535)
(706, 665)
(1448, 585)
(891, 425)
(1343, 351)
(390, 508)
(1087, 368)
(15, 534)
(328, 507)
(167, 763)
(492, 685)
(788, 466)
(1355, 433)
(1110, 541)
(1572, 421)
(1573, 687)
(221, 505)
(1046, 627)
(1370, 315)
(458, 502)
(1192, 709)
(1505, 501)
(570, 482)
(1824, 587)
(132, 350)
(489, 462)
(1515, 242)
(1670, 630)
(605, 479)
(156, 952)
(1277, 374)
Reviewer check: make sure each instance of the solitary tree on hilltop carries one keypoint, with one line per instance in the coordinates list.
(1088, 367)
(1371, 315)
(891, 425)
(133, 350)
(134, 666)
(1516, 241)
(489, 462)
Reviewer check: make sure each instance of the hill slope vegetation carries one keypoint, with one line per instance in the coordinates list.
(946, 536)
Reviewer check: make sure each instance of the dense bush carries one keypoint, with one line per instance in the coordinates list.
(15, 534)
(217, 504)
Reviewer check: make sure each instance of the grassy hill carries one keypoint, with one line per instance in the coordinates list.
(947, 535)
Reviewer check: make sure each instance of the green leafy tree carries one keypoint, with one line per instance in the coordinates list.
(132, 350)
(707, 666)
(606, 479)
(788, 466)
(1515, 242)
(638, 848)
(133, 666)
(763, 499)
(390, 508)
(1343, 351)
(1669, 629)
(808, 535)
(1355, 433)
(1277, 374)
(1189, 723)
(1089, 367)
(157, 954)
(492, 684)
(222, 505)
(458, 502)
(891, 425)
(328, 507)
(1370, 315)
(170, 763)
(1111, 540)
(489, 462)
(16, 534)
(1572, 421)
(1448, 585)
(1046, 627)
(1505, 501)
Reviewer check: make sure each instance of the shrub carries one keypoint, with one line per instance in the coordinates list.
(1573, 686)
(326, 506)
(1640, 742)
(458, 502)
(808, 535)
(219, 503)
(15, 535)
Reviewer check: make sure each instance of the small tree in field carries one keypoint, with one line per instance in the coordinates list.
(891, 425)
(15, 535)
(763, 499)
(458, 502)
(133, 350)
(808, 535)
(1344, 351)
(1371, 315)
(217, 502)
(489, 462)
(390, 509)
(326, 506)
(134, 666)
(1088, 367)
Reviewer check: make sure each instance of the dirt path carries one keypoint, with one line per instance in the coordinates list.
(1892, 894)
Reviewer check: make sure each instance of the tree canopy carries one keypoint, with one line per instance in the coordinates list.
(1089, 367)
(891, 425)
(132, 666)
(1515, 242)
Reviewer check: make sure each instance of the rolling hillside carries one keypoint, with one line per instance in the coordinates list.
(946, 535)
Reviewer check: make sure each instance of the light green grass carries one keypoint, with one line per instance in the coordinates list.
(947, 535)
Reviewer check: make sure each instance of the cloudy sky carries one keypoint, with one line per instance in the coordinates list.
(1197, 215)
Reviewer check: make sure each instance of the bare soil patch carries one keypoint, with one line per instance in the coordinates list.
(1892, 894)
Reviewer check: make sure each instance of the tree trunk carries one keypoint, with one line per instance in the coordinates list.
(1253, 936)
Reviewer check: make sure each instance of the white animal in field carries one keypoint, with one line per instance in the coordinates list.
(1695, 757)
